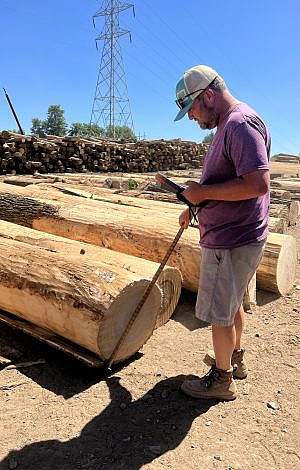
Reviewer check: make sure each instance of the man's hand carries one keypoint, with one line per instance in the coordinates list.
(159, 178)
(194, 193)
(184, 218)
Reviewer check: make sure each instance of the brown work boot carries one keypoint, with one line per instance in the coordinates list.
(240, 370)
(217, 384)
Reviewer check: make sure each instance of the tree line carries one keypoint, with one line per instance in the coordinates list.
(56, 124)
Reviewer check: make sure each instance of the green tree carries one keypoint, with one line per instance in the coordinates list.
(85, 130)
(38, 127)
(121, 132)
(55, 122)
(208, 138)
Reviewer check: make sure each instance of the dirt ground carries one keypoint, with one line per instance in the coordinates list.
(61, 415)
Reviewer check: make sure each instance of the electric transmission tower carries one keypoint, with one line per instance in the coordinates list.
(111, 106)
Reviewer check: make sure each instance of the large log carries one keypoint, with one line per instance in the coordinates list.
(87, 303)
(120, 228)
(129, 230)
(276, 271)
(169, 281)
(284, 214)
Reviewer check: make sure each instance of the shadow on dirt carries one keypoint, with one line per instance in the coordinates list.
(61, 374)
(263, 297)
(185, 312)
(126, 435)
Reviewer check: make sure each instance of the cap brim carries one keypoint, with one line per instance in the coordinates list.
(183, 111)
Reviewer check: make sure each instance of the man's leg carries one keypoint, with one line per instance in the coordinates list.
(218, 383)
(224, 342)
(239, 323)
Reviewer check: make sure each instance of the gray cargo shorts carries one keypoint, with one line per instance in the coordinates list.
(224, 277)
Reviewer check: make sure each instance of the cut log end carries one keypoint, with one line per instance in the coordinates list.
(277, 269)
(170, 283)
(286, 266)
(118, 316)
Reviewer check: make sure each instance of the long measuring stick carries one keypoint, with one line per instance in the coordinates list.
(144, 298)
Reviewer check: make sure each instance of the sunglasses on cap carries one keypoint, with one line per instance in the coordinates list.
(181, 102)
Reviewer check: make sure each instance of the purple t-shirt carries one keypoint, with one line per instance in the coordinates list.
(241, 145)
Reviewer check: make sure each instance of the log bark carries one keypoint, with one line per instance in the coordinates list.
(169, 281)
(129, 230)
(87, 303)
(282, 215)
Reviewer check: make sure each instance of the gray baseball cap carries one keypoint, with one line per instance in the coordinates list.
(192, 83)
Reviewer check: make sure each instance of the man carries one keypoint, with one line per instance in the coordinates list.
(233, 223)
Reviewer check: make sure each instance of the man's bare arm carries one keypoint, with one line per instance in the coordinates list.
(248, 186)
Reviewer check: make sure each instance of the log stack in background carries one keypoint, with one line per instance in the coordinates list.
(28, 154)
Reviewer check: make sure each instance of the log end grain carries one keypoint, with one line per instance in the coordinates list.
(118, 315)
(277, 269)
(170, 282)
(286, 266)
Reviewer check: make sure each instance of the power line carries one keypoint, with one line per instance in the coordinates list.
(195, 53)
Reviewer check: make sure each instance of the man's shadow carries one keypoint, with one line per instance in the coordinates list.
(126, 435)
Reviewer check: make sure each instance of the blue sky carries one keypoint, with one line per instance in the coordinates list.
(48, 56)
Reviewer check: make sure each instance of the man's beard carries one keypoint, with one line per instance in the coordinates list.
(211, 124)
(213, 119)
(206, 125)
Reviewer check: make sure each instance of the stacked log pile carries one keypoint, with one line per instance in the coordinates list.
(77, 290)
(56, 278)
(134, 231)
(27, 154)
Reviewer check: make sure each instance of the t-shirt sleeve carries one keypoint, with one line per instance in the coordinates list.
(247, 149)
